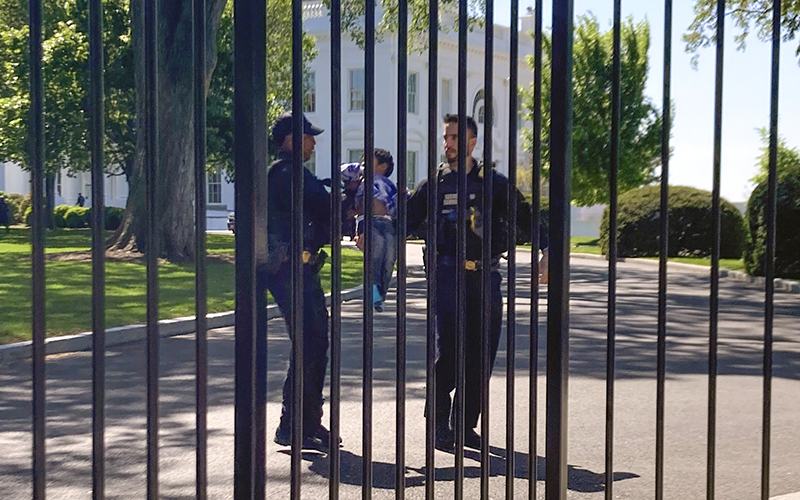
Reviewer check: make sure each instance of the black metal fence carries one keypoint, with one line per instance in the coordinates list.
(250, 157)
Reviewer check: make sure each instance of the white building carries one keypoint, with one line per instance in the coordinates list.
(318, 99)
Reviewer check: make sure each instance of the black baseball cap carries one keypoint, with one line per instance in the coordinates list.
(283, 128)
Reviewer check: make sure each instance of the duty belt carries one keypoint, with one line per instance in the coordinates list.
(469, 265)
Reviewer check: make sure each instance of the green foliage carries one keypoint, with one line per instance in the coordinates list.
(690, 232)
(23, 202)
(59, 214)
(12, 202)
(748, 15)
(279, 78)
(77, 217)
(114, 217)
(27, 217)
(787, 237)
(65, 70)
(788, 158)
(640, 127)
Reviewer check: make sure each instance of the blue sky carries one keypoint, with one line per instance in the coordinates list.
(746, 92)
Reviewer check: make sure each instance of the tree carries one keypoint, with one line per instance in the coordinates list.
(640, 126)
(279, 79)
(747, 15)
(66, 87)
(174, 177)
(788, 158)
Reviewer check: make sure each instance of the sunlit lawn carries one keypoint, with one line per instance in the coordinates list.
(69, 285)
(591, 245)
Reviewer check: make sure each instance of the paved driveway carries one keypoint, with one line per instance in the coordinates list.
(739, 410)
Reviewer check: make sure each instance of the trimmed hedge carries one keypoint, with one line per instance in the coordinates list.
(114, 217)
(76, 217)
(787, 235)
(72, 217)
(12, 202)
(690, 232)
(58, 215)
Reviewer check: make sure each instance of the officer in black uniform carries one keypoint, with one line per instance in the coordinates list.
(446, 219)
(276, 274)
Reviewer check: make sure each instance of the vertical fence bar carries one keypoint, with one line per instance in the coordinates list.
(151, 169)
(201, 296)
(558, 294)
(369, 179)
(431, 247)
(245, 161)
(769, 264)
(536, 188)
(461, 252)
(296, 320)
(336, 246)
(513, 116)
(715, 251)
(402, 147)
(37, 255)
(661, 362)
(98, 248)
(612, 252)
(261, 227)
(486, 257)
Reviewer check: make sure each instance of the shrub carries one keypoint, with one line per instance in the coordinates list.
(13, 207)
(114, 217)
(23, 202)
(787, 236)
(28, 215)
(690, 231)
(58, 215)
(76, 217)
(20, 205)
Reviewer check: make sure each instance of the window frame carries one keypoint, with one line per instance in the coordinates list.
(214, 179)
(357, 95)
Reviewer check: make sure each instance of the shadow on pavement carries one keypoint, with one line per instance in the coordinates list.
(580, 480)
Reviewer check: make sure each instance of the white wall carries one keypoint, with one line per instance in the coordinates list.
(386, 70)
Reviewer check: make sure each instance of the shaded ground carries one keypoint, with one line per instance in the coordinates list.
(739, 402)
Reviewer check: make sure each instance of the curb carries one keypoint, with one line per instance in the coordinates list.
(781, 284)
(132, 333)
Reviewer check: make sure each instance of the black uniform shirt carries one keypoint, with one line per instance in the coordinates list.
(316, 206)
(447, 212)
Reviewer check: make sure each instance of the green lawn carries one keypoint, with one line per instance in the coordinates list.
(591, 245)
(69, 285)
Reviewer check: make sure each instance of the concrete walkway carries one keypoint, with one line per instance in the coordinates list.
(739, 401)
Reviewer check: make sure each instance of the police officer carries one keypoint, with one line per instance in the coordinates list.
(445, 251)
(276, 274)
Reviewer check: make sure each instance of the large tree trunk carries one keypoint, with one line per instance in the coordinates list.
(174, 181)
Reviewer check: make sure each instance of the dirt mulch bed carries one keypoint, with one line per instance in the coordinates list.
(124, 256)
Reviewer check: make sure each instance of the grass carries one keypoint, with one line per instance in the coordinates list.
(69, 285)
(585, 244)
(591, 245)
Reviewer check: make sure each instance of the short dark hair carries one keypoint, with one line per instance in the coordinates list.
(383, 156)
(471, 125)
